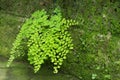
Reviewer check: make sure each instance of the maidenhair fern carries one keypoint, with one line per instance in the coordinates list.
(42, 37)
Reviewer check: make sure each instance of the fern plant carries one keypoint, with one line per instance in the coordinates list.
(43, 36)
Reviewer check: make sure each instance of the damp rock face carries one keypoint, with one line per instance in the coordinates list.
(23, 71)
(3, 74)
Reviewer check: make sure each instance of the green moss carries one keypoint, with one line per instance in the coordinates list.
(96, 41)
(8, 30)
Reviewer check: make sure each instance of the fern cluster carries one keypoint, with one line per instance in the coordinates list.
(43, 36)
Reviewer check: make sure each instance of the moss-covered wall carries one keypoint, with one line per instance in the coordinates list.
(24, 7)
(96, 53)
(9, 27)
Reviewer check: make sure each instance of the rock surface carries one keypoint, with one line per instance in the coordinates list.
(22, 71)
